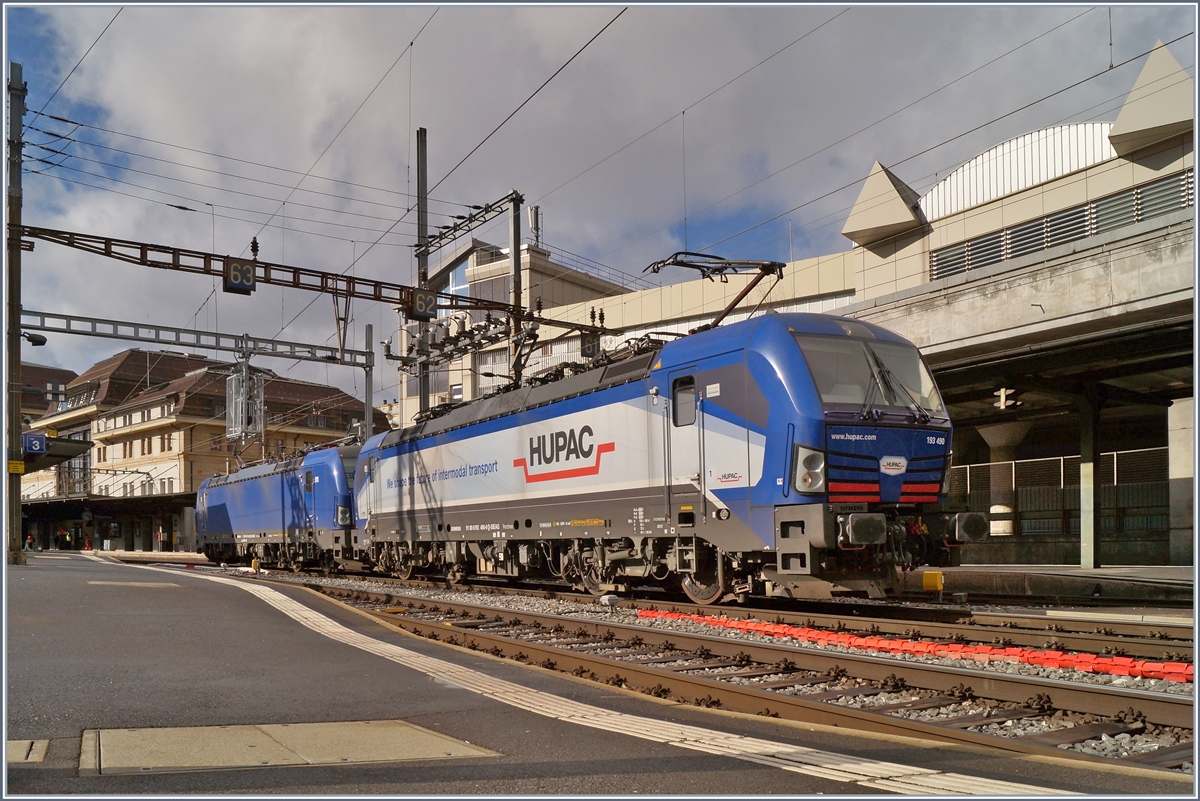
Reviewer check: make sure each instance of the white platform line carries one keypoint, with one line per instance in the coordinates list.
(798, 759)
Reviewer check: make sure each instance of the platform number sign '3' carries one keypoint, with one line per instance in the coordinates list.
(239, 276)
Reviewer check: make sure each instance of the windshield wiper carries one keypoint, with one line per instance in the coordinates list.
(868, 410)
(896, 384)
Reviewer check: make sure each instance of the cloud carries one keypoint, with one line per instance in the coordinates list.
(249, 99)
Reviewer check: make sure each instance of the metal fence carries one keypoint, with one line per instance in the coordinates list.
(1043, 494)
(1107, 214)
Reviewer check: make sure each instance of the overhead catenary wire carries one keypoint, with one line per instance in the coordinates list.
(951, 139)
(223, 174)
(865, 128)
(531, 97)
(690, 107)
(62, 165)
(354, 114)
(485, 139)
(217, 205)
(77, 63)
(667, 227)
(929, 179)
(352, 265)
(794, 42)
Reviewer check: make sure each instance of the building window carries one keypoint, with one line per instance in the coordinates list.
(316, 421)
(166, 443)
(127, 420)
(456, 283)
(214, 442)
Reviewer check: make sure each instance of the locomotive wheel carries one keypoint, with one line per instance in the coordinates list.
(589, 578)
(708, 584)
(403, 569)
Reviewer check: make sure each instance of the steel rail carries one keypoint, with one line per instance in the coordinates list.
(1132, 638)
(1159, 708)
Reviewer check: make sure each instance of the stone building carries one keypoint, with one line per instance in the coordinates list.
(157, 424)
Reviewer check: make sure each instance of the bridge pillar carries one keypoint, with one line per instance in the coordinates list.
(1002, 441)
(1089, 406)
(1180, 451)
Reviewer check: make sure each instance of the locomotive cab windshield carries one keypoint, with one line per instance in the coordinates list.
(863, 375)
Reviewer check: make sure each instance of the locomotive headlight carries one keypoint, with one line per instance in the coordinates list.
(343, 515)
(809, 470)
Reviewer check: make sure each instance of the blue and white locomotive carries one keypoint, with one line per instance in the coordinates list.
(295, 514)
(788, 454)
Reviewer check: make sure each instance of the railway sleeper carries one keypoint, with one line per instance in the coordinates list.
(514, 638)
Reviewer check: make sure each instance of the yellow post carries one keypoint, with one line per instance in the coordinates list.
(932, 581)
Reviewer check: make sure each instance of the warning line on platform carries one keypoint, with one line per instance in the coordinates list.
(868, 773)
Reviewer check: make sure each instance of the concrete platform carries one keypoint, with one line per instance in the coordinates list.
(1166, 583)
(145, 557)
(104, 655)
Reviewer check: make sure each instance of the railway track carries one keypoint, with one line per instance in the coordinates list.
(862, 691)
(1082, 631)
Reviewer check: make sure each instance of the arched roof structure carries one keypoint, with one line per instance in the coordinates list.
(1019, 163)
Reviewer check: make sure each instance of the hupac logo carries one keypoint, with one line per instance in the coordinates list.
(564, 447)
(893, 465)
(560, 446)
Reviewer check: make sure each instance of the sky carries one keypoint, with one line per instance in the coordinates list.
(638, 130)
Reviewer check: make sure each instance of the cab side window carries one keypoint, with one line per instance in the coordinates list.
(683, 400)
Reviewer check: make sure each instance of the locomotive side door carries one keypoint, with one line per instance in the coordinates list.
(310, 505)
(685, 487)
(374, 490)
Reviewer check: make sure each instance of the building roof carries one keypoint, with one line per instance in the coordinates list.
(194, 393)
(1160, 106)
(34, 378)
(1024, 161)
(112, 381)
